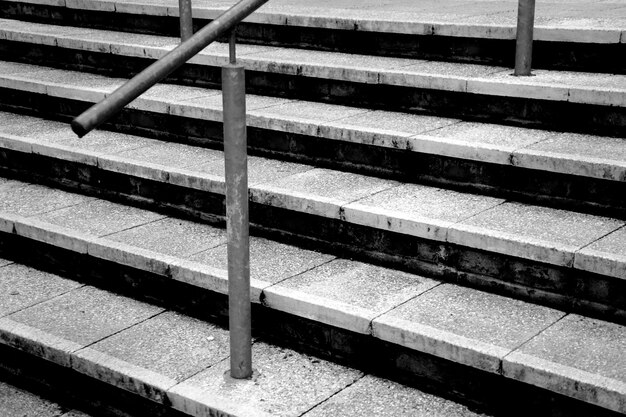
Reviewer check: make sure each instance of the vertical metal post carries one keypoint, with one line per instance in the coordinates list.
(524, 43)
(186, 20)
(235, 152)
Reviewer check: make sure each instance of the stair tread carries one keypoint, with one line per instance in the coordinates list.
(575, 22)
(163, 355)
(576, 154)
(591, 88)
(460, 324)
(18, 402)
(543, 234)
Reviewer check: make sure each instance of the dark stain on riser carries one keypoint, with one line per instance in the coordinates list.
(547, 114)
(584, 194)
(560, 287)
(588, 57)
(482, 391)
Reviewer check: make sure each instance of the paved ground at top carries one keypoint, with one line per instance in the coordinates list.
(590, 14)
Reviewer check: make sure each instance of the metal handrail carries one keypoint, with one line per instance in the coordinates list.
(133, 88)
(524, 37)
(235, 156)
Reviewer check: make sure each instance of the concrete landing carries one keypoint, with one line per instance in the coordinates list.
(597, 21)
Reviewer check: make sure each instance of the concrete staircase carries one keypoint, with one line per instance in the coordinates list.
(441, 224)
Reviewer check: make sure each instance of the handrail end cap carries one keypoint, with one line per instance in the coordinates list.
(78, 128)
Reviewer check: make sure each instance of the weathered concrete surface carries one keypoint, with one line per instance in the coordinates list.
(417, 210)
(152, 356)
(605, 256)
(379, 397)
(345, 294)
(579, 357)
(21, 287)
(286, 383)
(319, 191)
(270, 261)
(15, 402)
(464, 325)
(85, 315)
(539, 233)
(100, 217)
(30, 199)
(172, 237)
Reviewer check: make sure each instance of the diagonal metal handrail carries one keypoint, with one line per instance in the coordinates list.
(133, 88)
(235, 155)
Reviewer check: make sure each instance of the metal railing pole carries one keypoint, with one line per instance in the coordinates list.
(524, 42)
(186, 21)
(236, 160)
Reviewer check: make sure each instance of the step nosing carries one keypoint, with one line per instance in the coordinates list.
(400, 24)
(488, 356)
(578, 164)
(499, 86)
(459, 232)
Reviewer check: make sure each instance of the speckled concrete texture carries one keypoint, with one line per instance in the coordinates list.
(270, 261)
(100, 217)
(540, 233)
(304, 111)
(579, 357)
(436, 75)
(28, 200)
(169, 344)
(5, 262)
(209, 106)
(97, 141)
(583, 343)
(172, 237)
(605, 256)
(379, 397)
(27, 126)
(319, 191)
(287, 383)
(345, 294)
(260, 170)
(355, 283)
(401, 124)
(15, 402)
(417, 209)
(22, 286)
(587, 155)
(322, 64)
(85, 315)
(7, 67)
(174, 154)
(480, 322)
(503, 137)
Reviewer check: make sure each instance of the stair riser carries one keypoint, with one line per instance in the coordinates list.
(561, 287)
(592, 195)
(546, 55)
(556, 115)
(486, 391)
(73, 389)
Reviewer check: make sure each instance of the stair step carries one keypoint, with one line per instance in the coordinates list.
(577, 36)
(17, 401)
(490, 333)
(583, 172)
(178, 361)
(474, 239)
(455, 89)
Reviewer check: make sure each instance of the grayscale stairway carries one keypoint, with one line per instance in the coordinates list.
(427, 229)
